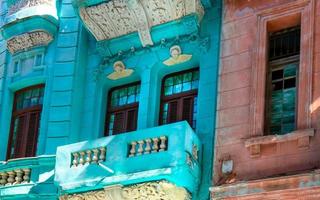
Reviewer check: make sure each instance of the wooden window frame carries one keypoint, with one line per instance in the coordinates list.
(176, 97)
(272, 19)
(27, 112)
(275, 64)
(124, 108)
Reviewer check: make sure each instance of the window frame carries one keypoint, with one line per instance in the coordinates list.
(124, 108)
(278, 64)
(304, 11)
(27, 112)
(179, 97)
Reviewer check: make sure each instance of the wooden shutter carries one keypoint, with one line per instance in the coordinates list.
(132, 120)
(119, 122)
(172, 112)
(187, 109)
(32, 135)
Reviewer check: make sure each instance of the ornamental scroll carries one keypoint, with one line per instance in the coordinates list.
(160, 190)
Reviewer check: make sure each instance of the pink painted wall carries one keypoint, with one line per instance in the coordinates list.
(239, 38)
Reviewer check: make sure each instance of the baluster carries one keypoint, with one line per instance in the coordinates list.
(95, 155)
(102, 156)
(155, 146)
(75, 160)
(26, 177)
(148, 146)
(133, 149)
(81, 160)
(163, 145)
(11, 178)
(140, 149)
(88, 158)
(3, 181)
(19, 174)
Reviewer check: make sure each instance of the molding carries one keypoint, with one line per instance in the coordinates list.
(302, 136)
(151, 191)
(271, 188)
(28, 40)
(117, 18)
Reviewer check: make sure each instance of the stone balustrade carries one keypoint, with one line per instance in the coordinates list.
(90, 156)
(147, 146)
(14, 177)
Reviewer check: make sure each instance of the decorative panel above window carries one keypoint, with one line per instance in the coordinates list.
(138, 23)
(282, 81)
(123, 103)
(25, 122)
(29, 23)
(179, 97)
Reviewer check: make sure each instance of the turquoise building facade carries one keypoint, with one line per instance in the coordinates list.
(82, 55)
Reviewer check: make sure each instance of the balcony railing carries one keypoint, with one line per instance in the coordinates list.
(165, 153)
(26, 175)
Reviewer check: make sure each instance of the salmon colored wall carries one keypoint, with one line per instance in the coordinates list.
(235, 101)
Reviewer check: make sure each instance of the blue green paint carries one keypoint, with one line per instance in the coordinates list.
(76, 91)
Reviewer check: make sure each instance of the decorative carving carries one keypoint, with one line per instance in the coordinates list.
(28, 40)
(118, 17)
(176, 56)
(195, 151)
(120, 71)
(160, 190)
(96, 195)
(155, 191)
(21, 4)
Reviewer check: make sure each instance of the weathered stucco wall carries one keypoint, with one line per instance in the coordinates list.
(237, 93)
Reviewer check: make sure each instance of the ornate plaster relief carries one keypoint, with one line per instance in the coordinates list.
(176, 56)
(28, 40)
(120, 71)
(21, 4)
(160, 190)
(121, 17)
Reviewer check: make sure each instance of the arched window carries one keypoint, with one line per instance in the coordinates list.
(122, 114)
(179, 97)
(25, 122)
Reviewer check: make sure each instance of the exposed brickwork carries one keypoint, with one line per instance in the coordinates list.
(234, 119)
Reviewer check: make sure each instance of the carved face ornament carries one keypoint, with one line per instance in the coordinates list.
(119, 66)
(175, 51)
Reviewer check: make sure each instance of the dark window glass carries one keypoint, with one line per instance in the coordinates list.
(284, 43)
(25, 122)
(38, 60)
(179, 97)
(123, 109)
(282, 81)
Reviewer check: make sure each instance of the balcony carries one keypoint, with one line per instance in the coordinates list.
(27, 177)
(127, 26)
(161, 157)
(29, 23)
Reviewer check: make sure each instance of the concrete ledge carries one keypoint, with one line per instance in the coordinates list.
(305, 186)
(302, 136)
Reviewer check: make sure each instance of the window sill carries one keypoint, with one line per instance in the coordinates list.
(302, 136)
